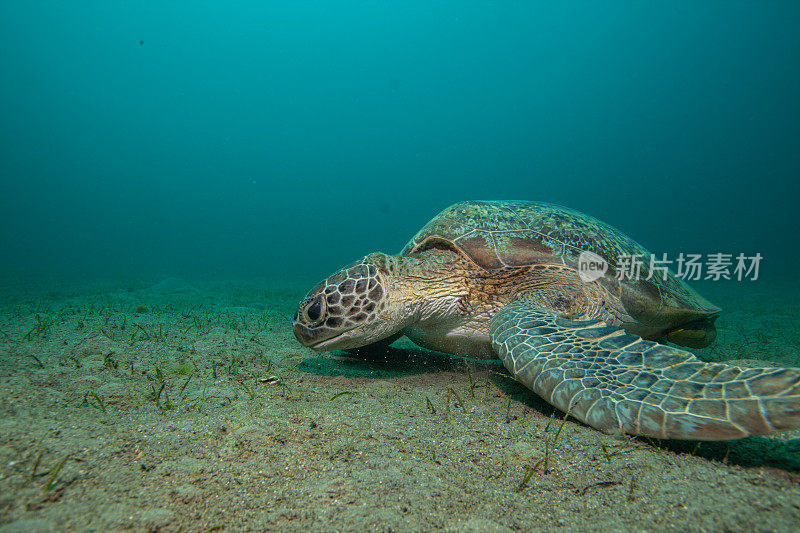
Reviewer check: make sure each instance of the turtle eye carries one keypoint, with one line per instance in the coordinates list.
(313, 311)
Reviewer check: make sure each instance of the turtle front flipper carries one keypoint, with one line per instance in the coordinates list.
(620, 383)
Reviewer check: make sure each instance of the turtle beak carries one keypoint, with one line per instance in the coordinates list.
(306, 337)
(303, 334)
(312, 337)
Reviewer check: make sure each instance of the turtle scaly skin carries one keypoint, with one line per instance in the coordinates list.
(500, 279)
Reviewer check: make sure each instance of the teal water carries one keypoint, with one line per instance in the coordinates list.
(283, 139)
(174, 176)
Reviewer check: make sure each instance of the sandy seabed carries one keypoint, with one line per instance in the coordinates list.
(176, 406)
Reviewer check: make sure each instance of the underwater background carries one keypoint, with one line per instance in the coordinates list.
(285, 139)
(175, 176)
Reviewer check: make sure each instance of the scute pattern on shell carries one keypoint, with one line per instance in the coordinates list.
(519, 233)
(498, 234)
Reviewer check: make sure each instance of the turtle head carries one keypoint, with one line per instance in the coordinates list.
(351, 308)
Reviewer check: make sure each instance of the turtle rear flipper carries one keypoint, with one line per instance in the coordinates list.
(620, 383)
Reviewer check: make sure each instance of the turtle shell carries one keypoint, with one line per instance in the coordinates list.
(514, 234)
(503, 234)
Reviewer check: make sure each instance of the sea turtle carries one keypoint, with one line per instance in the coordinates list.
(505, 279)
